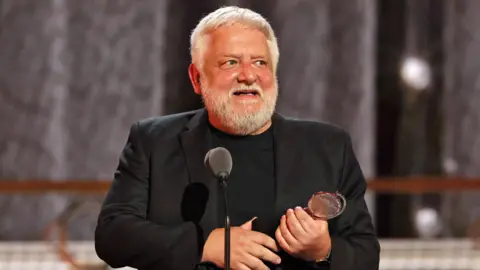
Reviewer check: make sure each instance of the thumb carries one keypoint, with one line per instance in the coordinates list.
(248, 225)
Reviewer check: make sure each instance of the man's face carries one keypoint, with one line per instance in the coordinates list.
(237, 81)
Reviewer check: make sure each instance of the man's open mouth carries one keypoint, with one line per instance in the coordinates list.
(246, 92)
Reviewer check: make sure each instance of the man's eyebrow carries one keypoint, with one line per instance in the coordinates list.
(232, 55)
(238, 56)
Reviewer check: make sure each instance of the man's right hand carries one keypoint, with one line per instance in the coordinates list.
(247, 248)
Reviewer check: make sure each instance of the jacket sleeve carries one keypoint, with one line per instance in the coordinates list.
(354, 242)
(124, 236)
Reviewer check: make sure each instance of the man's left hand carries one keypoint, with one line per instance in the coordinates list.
(302, 236)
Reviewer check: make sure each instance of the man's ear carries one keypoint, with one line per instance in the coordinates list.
(194, 75)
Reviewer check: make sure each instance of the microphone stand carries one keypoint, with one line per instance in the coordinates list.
(223, 184)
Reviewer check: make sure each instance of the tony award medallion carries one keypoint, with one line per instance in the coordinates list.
(326, 205)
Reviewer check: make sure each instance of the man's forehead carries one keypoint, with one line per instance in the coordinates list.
(235, 31)
(239, 41)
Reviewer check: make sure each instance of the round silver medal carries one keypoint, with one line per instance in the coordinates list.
(326, 205)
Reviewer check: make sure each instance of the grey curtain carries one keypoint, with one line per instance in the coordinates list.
(73, 76)
(461, 109)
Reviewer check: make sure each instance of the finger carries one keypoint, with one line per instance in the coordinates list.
(264, 253)
(254, 263)
(263, 239)
(306, 221)
(248, 225)
(294, 225)
(291, 241)
(281, 241)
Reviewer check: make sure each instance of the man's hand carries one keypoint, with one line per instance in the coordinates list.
(302, 236)
(247, 248)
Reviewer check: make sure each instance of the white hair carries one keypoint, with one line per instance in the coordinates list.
(226, 16)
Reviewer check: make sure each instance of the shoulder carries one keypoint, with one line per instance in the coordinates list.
(166, 125)
(314, 136)
(317, 130)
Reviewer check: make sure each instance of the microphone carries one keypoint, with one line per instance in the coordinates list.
(219, 162)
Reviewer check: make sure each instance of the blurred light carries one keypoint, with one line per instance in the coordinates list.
(450, 166)
(416, 73)
(427, 223)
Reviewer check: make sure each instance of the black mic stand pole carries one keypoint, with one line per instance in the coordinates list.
(223, 183)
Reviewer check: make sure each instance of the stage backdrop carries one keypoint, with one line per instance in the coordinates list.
(75, 74)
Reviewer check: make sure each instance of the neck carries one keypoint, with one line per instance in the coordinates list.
(217, 123)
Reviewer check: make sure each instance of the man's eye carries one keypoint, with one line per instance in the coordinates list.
(260, 62)
(231, 62)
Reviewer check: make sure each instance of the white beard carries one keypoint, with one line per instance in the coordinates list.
(240, 122)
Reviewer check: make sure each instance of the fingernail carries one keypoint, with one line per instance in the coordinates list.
(298, 208)
(278, 261)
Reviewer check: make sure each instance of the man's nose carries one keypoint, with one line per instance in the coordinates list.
(247, 75)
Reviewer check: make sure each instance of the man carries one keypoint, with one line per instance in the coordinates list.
(164, 210)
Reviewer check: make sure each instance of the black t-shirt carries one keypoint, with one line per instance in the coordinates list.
(251, 185)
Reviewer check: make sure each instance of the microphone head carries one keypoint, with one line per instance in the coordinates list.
(219, 162)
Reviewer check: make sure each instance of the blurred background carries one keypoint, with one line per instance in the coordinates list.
(402, 76)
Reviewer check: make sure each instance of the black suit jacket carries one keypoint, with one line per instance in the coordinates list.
(163, 204)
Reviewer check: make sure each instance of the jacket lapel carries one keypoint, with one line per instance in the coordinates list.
(196, 143)
(284, 156)
(291, 184)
